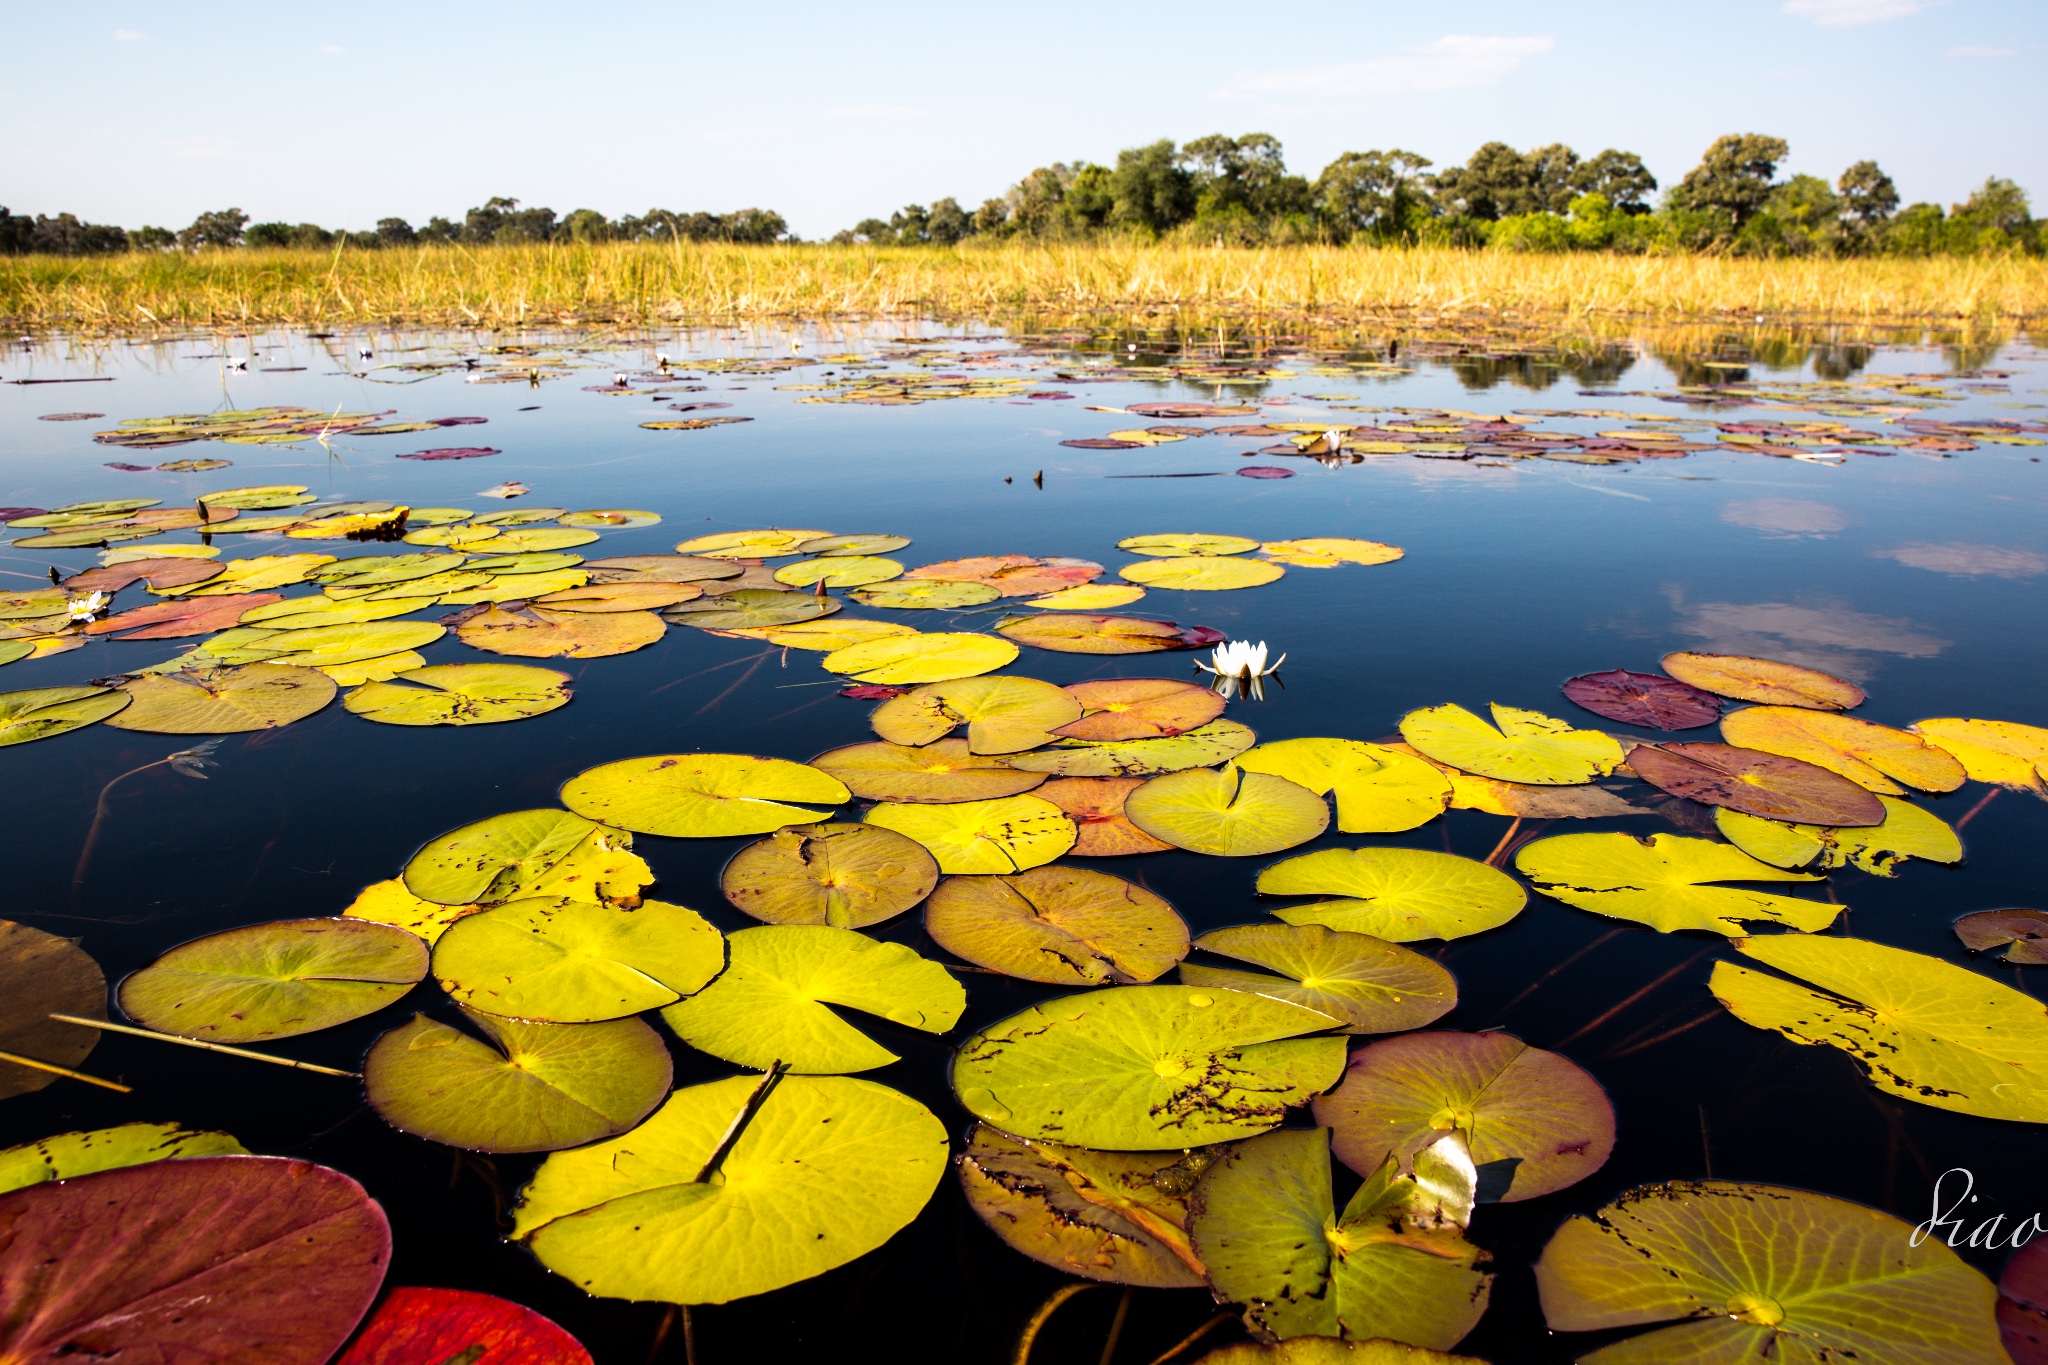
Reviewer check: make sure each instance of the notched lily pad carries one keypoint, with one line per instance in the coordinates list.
(1907, 832)
(1216, 742)
(41, 712)
(1009, 834)
(1379, 790)
(847, 876)
(527, 853)
(1147, 1068)
(702, 796)
(770, 1004)
(1002, 715)
(1874, 757)
(275, 980)
(1065, 925)
(1756, 783)
(1663, 881)
(1650, 700)
(1527, 746)
(555, 960)
(1096, 806)
(461, 694)
(2025, 930)
(1227, 812)
(522, 1087)
(1534, 1121)
(1371, 985)
(70, 1155)
(41, 975)
(1397, 894)
(1114, 1216)
(750, 609)
(1139, 708)
(943, 771)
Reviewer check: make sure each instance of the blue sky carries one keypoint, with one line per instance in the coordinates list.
(151, 112)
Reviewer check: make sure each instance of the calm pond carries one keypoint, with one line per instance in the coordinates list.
(1914, 569)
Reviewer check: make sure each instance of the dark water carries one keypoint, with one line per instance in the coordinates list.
(1516, 577)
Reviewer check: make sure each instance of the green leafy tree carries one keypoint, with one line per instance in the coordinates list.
(948, 223)
(146, 237)
(395, 232)
(1868, 194)
(1150, 190)
(303, 235)
(1998, 204)
(1733, 180)
(1619, 177)
(220, 228)
(1372, 193)
(587, 225)
(992, 217)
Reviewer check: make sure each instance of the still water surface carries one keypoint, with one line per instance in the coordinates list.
(1919, 576)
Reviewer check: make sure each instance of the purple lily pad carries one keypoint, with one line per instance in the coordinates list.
(872, 691)
(8, 514)
(1647, 699)
(1265, 471)
(1101, 443)
(457, 421)
(696, 407)
(131, 468)
(453, 453)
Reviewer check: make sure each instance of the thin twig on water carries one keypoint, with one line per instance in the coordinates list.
(1667, 1034)
(1504, 839)
(776, 1071)
(66, 1071)
(1533, 986)
(209, 1047)
(1971, 813)
(1600, 1019)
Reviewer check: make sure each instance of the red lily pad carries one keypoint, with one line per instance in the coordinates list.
(1756, 783)
(2023, 1305)
(185, 616)
(453, 453)
(457, 421)
(872, 691)
(203, 1259)
(131, 468)
(8, 514)
(2025, 930)
(158, 573)
(1264, 471)
(1192, 410)
(415, 1326)
(1091, 633)
(1647, 699)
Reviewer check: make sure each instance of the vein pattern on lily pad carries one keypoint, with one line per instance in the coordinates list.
(1663, 881)
(1065, 925)
(1397, 894)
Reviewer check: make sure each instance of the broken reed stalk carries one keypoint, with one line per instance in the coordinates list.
(776, 1071)
(1116, 1326)
(208, 1047)
(1600, 1019)
(1505, 840)
(65, 1071)
(1029, 1336)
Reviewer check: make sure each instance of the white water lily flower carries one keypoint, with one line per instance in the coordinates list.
(1240, 665)
(87, 607)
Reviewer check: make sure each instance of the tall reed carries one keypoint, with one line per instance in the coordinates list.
(636, 283)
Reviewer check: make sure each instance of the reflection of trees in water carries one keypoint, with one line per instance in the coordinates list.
(1592, 368)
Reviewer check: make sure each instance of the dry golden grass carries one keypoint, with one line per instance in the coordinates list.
(646, 283)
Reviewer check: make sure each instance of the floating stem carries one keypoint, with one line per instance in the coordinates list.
(66, 1071)
(210, 1047)
(776, 1071)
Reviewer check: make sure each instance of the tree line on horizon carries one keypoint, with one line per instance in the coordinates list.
(1238, 191)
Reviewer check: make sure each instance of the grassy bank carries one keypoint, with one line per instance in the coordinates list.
(510, 285)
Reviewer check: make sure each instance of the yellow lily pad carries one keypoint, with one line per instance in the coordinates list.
(1064, 925)
(461, 694)
(1398, 894)
(1379, 790)
(1528, 746)
(1227, 812)
(1202, 573)
(702, 796)
(844, 875)
(1010, 834)
(938, 657)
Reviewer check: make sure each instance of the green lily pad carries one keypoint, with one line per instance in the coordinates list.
(1217, 742)
(1002, 715)
(749, 609)
(275, 980)
(1379, 790)
(925, 658)
(1372, 985)
(518, 565)
(1758, 1272)
(1171, 546)
(940, 772)
(702, 796)
(68, 1155)
(770, 1004)
(1397, 894)
(1201, 573)
(611, 518)
(1527, 746)
(836, 546)
(633, 1218)
(848, 571)
(1394, 1265)
(222, 701)
(1907, 832)
(524, 1087)
(914, 594)
(41, 975)
(1114, 1216)
(525, 539)
(307, 613)
(1065, 925)
(659, 569)
(847, 876)
(1661, 882)
(1009, 834)
(1533, 1121)
(324, 646)
(1331, 1351)
(461, 694)
(1923, 1029)
(41, 712)
(1147, 1068)
(262, 498)
(562, 961)
(527, 853)
(1227, 812)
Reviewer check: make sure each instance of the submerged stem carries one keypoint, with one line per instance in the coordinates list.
(99, 818)
(1116, 1326)
(1191, 1338)
(1029, 1336)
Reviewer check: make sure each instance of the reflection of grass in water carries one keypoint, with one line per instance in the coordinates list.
(501, 284)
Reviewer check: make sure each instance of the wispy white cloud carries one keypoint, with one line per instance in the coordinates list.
(332, 49)
(1849, 13)
(883, 111)
(1983, 52)
(1458, 61)
(129, 35)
